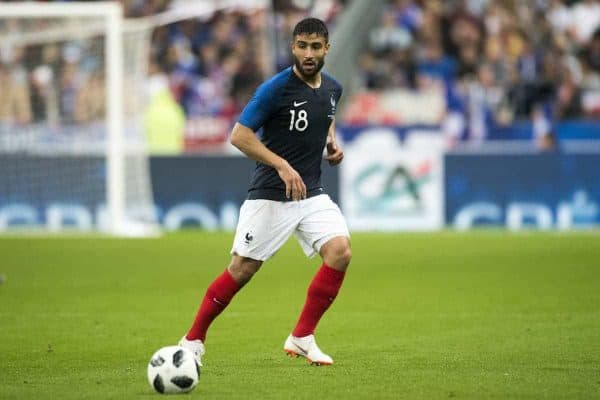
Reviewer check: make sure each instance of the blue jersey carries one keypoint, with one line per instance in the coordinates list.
(295, 120)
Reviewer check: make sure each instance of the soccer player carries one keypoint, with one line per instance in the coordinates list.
(296, 110)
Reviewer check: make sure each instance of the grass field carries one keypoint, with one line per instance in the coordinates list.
(486, 315)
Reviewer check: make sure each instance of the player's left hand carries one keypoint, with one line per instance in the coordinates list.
(335, 155)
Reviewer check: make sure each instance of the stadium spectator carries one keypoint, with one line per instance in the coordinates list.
(90, 104)
(70, 82)
(43, 96)
(164, 119)
(591, 53)
(15, 106)
(585, 20)
(389, 36)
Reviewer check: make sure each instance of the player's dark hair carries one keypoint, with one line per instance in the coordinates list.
(311, 25)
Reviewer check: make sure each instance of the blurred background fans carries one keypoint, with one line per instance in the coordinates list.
(476, 68)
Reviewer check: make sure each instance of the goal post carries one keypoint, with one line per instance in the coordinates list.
(123, 149)
(114, 111)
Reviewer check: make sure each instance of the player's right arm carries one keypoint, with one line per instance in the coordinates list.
(245, 139)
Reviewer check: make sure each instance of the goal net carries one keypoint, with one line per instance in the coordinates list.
(72, 148)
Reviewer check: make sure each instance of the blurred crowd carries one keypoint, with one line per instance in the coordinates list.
(215, 65)
(496, 61)
(211, 63)
(56, 82)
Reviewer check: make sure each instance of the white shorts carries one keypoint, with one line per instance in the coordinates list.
(265, 225)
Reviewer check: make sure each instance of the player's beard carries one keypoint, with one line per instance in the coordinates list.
(318, 64)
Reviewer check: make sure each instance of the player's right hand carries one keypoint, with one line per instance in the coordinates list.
(294, 185)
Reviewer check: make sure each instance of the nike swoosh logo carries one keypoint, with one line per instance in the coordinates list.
(300, 103)
(301, 349)
(218, 302)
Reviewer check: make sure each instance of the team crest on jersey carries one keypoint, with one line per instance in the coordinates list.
(332, 101)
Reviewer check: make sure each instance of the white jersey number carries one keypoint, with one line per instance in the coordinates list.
(300, 121)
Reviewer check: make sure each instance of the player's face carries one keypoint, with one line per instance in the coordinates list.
(309, 53)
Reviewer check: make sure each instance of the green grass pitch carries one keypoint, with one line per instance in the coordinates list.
(481, 315)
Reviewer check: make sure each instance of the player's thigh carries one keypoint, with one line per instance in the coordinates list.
(263, 227)
(321, 221)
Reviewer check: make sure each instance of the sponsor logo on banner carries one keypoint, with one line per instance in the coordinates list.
(79, 217)
(392, 185)
(187, 191)
(580, 212)
(558, 190)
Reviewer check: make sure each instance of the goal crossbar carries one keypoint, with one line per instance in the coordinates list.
(72, 9)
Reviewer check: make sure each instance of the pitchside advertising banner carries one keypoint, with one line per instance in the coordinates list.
(523, 191)
(189, 191)
(208, 191)
(392, 179)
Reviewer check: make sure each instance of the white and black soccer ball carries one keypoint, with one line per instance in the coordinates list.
(173, 369)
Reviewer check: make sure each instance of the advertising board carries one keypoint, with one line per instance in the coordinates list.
(393, 180)
(523, 191)
(188, 191)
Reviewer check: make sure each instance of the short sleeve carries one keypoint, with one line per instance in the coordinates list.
(259, 108)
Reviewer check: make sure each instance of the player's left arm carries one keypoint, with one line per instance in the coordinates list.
(335, 155)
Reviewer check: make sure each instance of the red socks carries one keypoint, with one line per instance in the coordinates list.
(217, 297)
(322, 291)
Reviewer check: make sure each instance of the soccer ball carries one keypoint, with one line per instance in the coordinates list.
(173, 369)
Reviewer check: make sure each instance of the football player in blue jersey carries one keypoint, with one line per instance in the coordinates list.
(285, 127)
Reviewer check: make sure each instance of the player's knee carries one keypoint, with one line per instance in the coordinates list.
(344, 256)
(338, 255)
(242, 269)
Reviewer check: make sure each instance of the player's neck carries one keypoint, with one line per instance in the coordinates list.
(313, 81)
